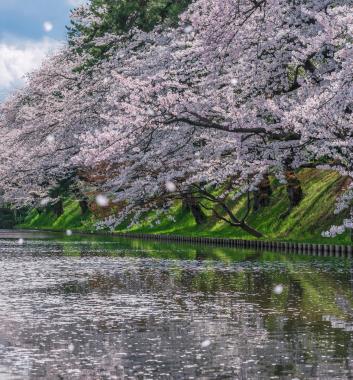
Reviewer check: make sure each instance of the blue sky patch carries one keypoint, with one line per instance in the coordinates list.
(29, 29)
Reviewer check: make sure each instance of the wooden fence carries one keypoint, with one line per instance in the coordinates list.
(262, 245)
(276, 246)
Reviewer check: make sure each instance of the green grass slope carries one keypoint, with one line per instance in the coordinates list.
(70, 219)
(304, 223)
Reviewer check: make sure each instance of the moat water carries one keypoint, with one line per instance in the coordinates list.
(95, 308)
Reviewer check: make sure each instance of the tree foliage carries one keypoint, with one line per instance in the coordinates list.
(118, 17)
(239, 89)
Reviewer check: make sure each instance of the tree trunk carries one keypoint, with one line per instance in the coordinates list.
(250, 230)
(83, 206)
(294, 189)
(263, 194)
(192, 205)
(58, 208)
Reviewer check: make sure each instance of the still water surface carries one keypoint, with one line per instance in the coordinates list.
(82, 308)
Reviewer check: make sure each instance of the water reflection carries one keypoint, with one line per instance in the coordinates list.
(143, 310)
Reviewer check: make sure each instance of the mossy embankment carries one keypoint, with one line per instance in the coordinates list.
(305, 222)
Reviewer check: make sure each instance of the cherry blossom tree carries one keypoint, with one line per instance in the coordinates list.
(40, 128)
(240, 90)
(240, 84)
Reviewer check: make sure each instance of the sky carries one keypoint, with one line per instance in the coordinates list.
(29, 30)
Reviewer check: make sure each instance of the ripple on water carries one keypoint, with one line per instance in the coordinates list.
(79, 310)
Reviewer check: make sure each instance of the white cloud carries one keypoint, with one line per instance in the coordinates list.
(76, 3)
(18, 58)
(48, 26)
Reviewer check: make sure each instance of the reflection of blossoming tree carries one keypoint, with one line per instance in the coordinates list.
(241, 89)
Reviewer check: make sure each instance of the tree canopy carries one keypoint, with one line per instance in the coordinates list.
(237, 90)
(119, 17)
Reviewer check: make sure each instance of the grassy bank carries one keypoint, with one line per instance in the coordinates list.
(304, 223)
